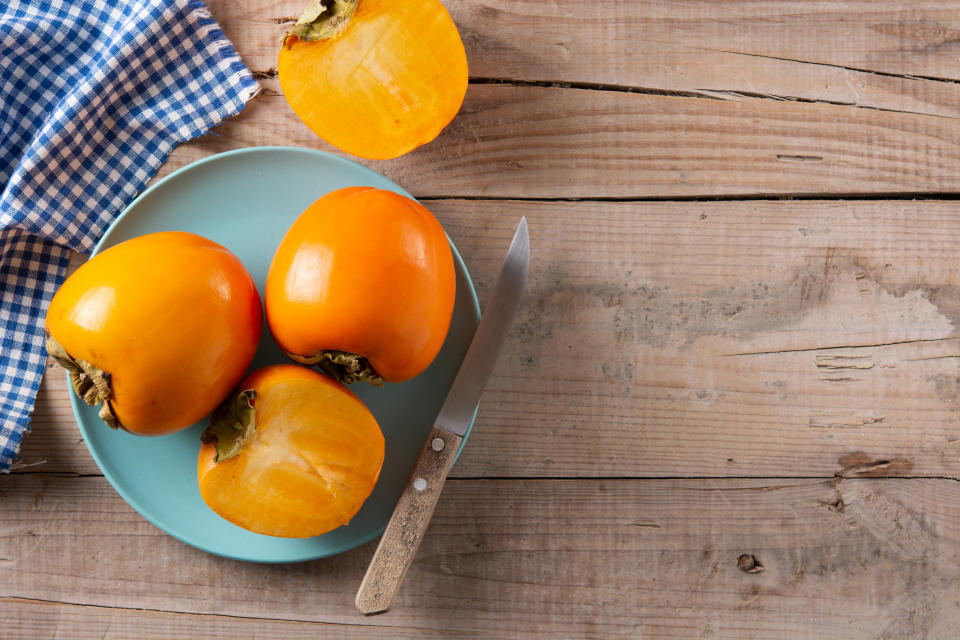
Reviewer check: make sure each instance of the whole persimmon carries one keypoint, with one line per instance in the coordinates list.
(375, 78)
(363, 286)
(291, 453)
(156, 330)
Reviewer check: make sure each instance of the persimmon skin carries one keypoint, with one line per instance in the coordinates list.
(313, 460)
(368, 272)
(388, 83)
(173, 317)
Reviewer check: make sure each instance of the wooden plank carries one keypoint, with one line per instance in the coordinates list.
(547, 142)
(701, 339)
(626, 359)
(542, 142)
(853, 558)
(33, 619)
(778, 49)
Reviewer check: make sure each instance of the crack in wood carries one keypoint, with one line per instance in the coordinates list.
(9, 598)
(837, 103)
(770, 96)
(879, 465)
(595, 86)
(837, 421)
(704, 94)
(886, 74)
(266, 74)
(782, 157)
(271, 73)
(19, 464)
(15, 471)
(893, 196)
(40, 474)
(858, 464)
(845, 346)
(835, 362)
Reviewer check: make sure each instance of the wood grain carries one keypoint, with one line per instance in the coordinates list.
(862, 558)
(816, 340)
(34, 619)
(547, 142)
(700, 339)
(894, 55)
(761, 100)
(399, 543)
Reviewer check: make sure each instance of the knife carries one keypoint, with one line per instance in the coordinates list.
(409, 521)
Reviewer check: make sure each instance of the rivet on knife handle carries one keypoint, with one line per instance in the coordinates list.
(405, 530)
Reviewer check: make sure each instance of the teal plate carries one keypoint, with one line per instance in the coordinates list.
(246, 200)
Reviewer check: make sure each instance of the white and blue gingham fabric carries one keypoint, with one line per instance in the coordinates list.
(94, 95)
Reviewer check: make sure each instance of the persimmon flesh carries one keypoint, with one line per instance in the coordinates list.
(375, 78)
(292, 454)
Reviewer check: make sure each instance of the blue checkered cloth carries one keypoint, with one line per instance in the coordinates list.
(94, 95)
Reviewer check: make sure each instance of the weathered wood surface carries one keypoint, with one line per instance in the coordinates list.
(883, 117)
(700, 339)
(812, 345)
(548, 142)
(889, 55)
(853, 558)
(27, 619)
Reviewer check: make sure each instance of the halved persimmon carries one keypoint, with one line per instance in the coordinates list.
(291, 453)
(363, 286)
(156, 330)
(375, 78)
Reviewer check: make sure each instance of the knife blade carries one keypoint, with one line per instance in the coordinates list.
(410, 518)
(464, 394)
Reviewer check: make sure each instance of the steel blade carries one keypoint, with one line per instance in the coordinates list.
(458, 408)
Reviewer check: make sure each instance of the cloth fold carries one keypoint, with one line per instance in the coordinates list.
(94, 95)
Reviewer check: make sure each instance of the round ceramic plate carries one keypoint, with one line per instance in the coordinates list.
(246, 200)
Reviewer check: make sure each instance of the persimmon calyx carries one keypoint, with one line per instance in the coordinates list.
(231, 425)
(322, 19)
(343, 367)
(89, 382)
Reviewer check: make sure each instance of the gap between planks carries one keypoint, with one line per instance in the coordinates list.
(15, 599)
(608, 555)
(844, 474)
(722, 95)
(912, 196)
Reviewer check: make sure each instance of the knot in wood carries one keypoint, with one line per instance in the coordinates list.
(748, 563)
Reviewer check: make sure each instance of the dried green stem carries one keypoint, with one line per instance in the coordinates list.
(343, 367)
(231, 424)
(89, 382)
(322, 19)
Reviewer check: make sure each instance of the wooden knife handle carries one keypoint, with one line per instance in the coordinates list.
(408, 523)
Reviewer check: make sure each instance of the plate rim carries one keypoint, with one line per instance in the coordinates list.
(74, 401)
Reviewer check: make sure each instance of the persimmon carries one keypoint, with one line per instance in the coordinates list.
(291, 453)
(363, 286)
(375, 78)
(156, 330)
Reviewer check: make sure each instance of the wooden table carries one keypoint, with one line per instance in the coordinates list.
(730, 407)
